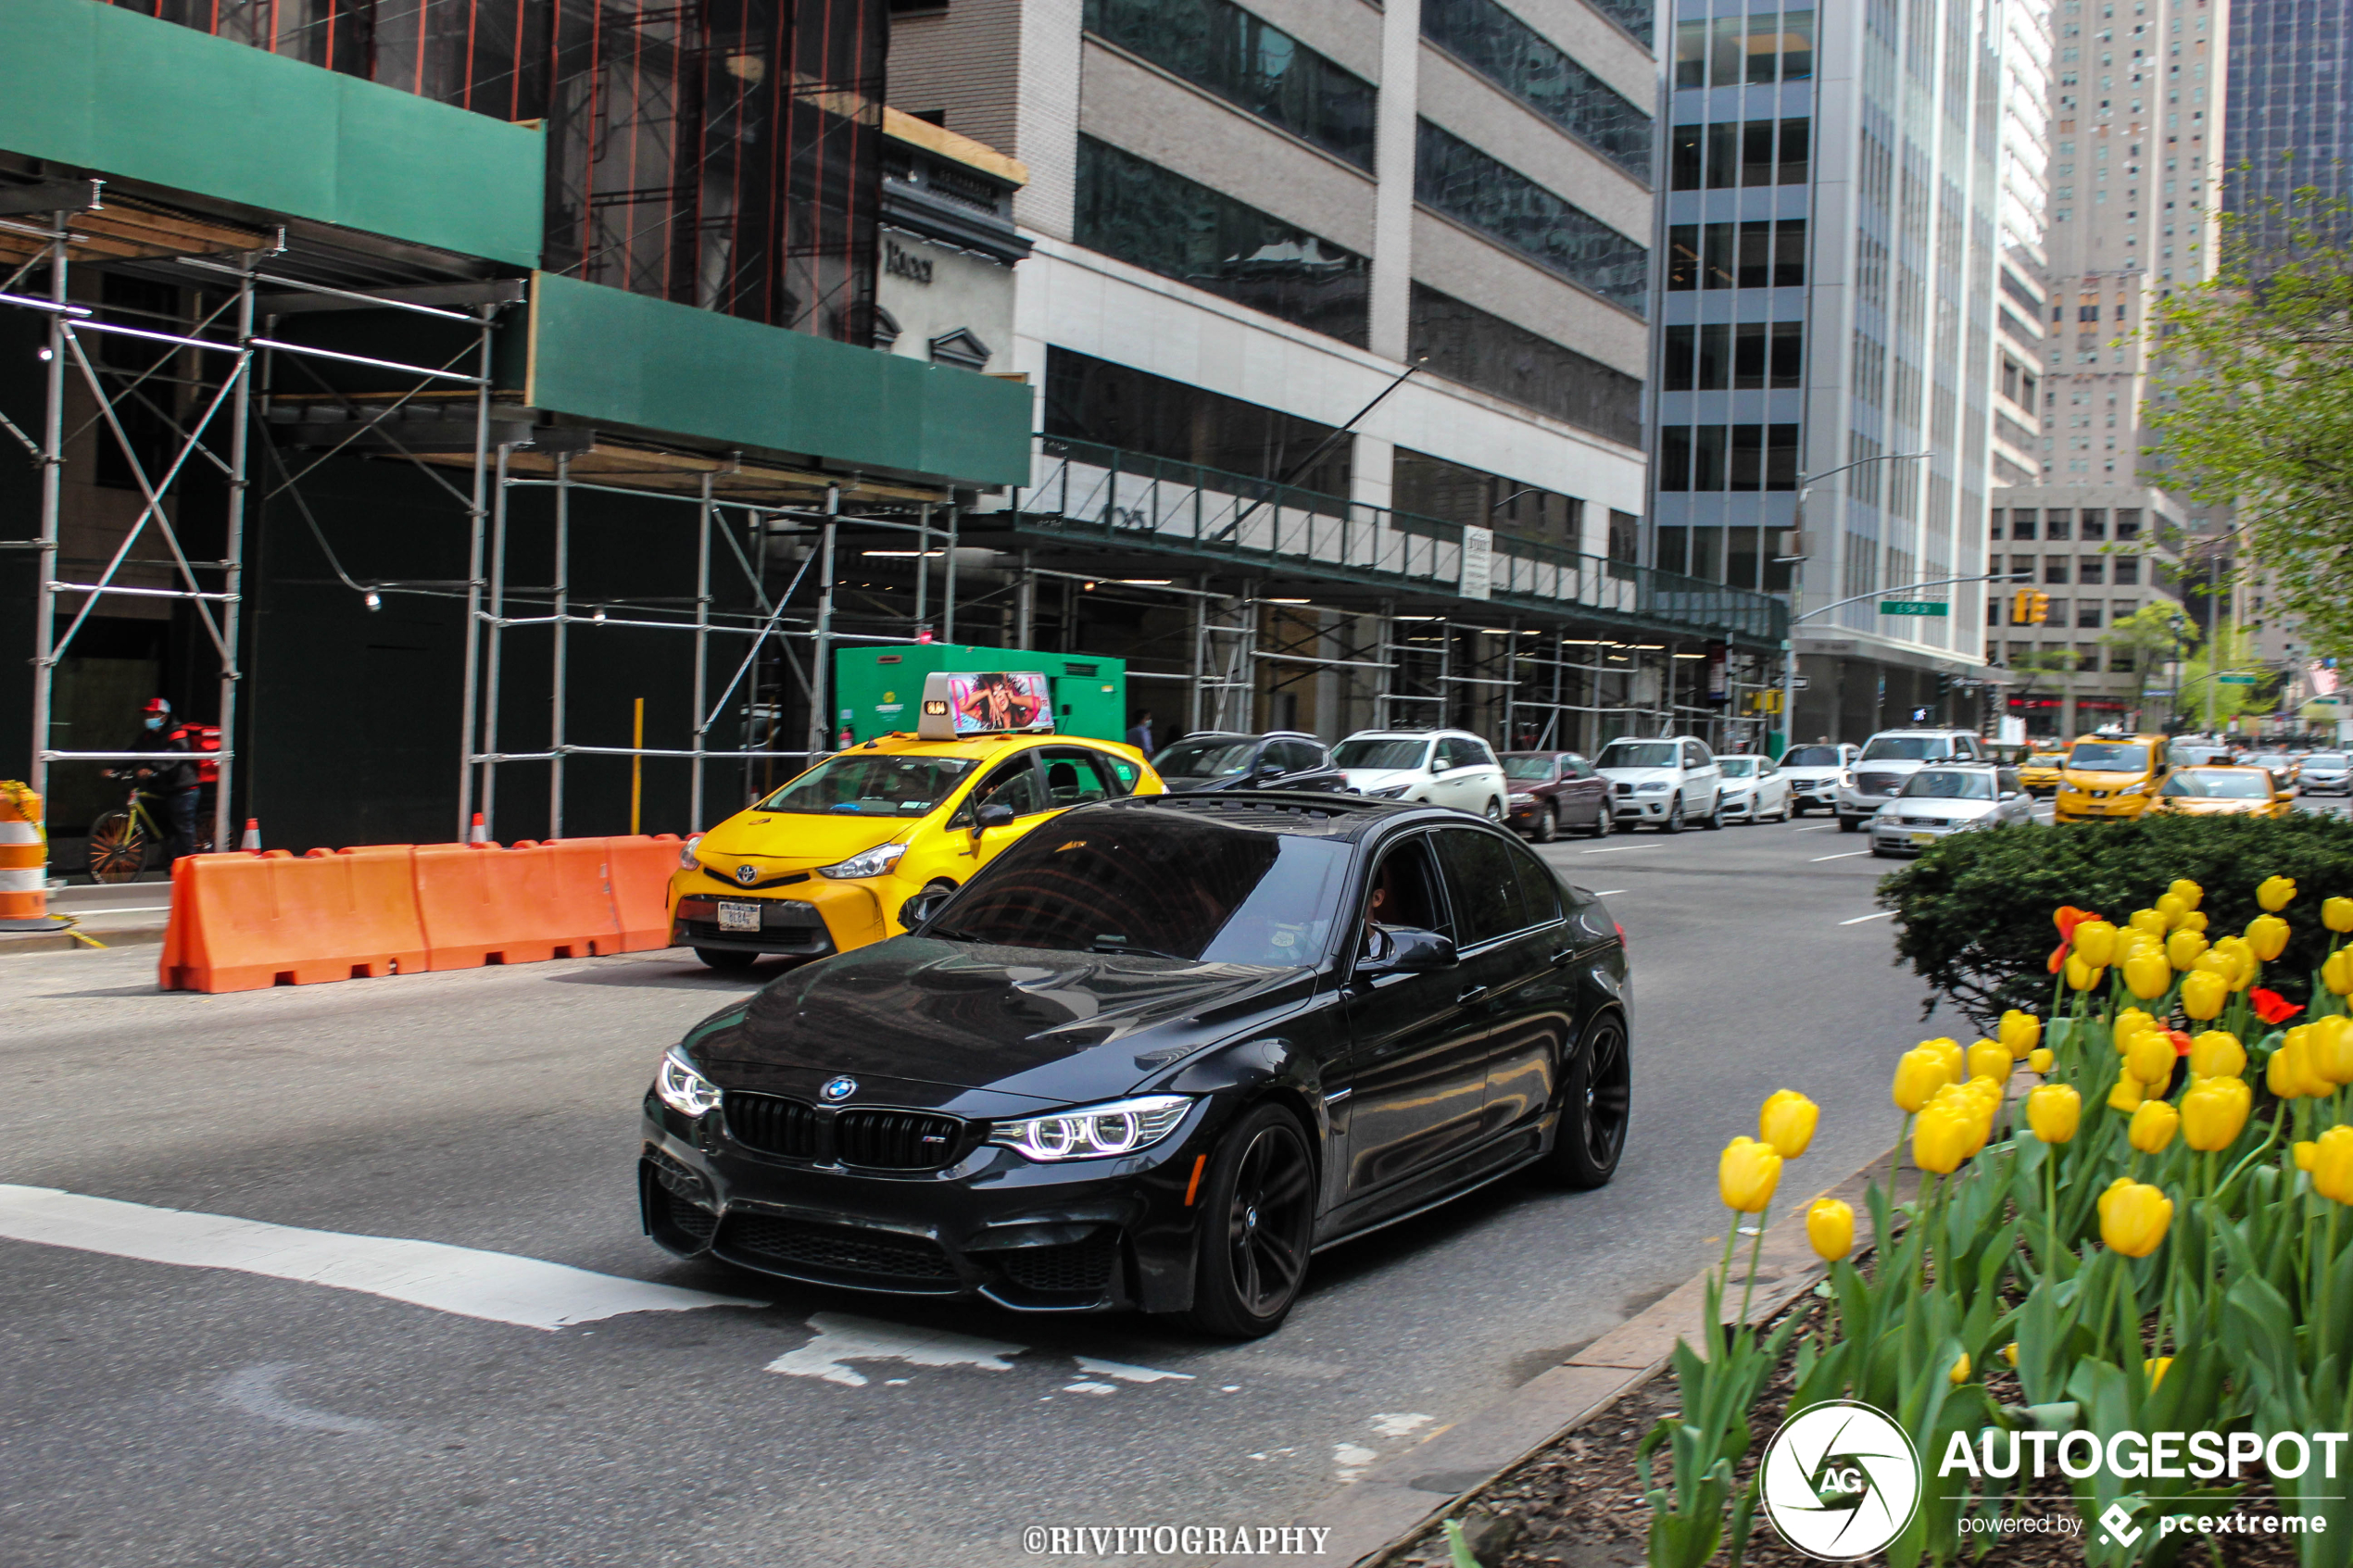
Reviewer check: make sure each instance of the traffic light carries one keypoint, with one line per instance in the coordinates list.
(2029, 608)
(2041, 609)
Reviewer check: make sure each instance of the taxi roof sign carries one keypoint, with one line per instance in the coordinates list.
(958, 705)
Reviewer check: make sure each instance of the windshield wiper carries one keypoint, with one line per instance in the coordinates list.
(1130, 951)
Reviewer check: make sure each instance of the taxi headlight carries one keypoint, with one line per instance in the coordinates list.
(686, 861)
(1094, 1132)
(682, 1088)
(873, 862)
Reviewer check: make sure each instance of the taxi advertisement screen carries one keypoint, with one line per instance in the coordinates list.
(991, 703)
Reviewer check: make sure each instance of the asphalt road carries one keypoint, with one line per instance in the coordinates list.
(153, 1413)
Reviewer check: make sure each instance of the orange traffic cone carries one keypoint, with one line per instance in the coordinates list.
(251, 837)
(478, 834)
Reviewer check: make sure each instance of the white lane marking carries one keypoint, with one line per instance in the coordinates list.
(1348, 1459)
(1083, 1386)
(497, 1286)
(1847, 855)
(1619, 850)
(1884, 914)
(1128, 1374)
(1400, 1426)
(1609, 893)
(842, 1338)
(1818, 827)
(254, 1391)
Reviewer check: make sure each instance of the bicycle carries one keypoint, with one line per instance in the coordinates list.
(120, 842)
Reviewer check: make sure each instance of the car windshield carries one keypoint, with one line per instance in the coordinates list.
(1637, 754)
(2217, 783)
(1907, 748)
(1158, 884)
(1537, 767)
(1373, 754)
(1947, 784)
(1205, 759)
(2272, 759)
(870, 785)
(1738, 767)
(2107, 756)
(1811, 756)
(2325, 759)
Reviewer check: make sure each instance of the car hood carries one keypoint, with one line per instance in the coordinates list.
(1640, 775)
(1735, 781)
(1370, 779)
(931, 1022)
(1810, 775)
(1945, 810)
(788, 840)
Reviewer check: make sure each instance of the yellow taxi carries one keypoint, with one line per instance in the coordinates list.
(2223, 792)
(2110, 777)
(2038, 772)
(822, 865)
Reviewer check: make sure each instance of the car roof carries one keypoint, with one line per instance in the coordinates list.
(898, 743)
(1314, 813)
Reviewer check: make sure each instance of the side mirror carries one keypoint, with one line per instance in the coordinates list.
(993, 815)
(1405, 950)
(2009, 795)
(922, 906)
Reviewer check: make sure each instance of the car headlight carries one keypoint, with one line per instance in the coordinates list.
(873, 862)
(1846, 780)
(683, 1089)
(1650, 789)
(1391, 793)
(686, 861)
(1094, 1132)
(1523, 799)
(2135, 789)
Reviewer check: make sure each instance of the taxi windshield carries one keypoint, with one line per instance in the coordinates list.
(2045, 760)
(1206, 759)
(1139, 884)
(2106, 756)
(870, 784)
(1940, 783)
(2217, 784)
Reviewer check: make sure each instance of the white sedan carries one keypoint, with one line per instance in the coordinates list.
(1937, 801)
(1755, 790)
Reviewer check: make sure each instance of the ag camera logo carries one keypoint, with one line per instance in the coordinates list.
(1840, 1481)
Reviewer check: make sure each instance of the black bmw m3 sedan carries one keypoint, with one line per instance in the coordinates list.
(1155, 1055)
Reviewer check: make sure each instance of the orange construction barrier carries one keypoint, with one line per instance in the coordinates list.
(24, 862)
(640, 869)
(482, 904)
(241, 922)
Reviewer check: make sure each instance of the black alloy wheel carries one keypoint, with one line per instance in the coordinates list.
(1673, 820)
(1547, 826)
(1850, 824)
(1257, 1224)
(724, 960)
(1595, 1106)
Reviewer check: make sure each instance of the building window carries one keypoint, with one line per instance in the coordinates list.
(1682, 257)
(1994, 524)
(1427, 487)
(2059, 522)
(1524, 63)
(2092, 523)
(1465, 344)
(2127, 570)
(1754, 51)
(1674, 458)
(1789, 355)
(2055, 568)
(1458, 180)
(1625, 536)
(2127, 522)
(1708, 451)
(2022, 522)
(2092, 569)
(1742, 457)
(1160, 221)
(1094, 400)
(1752, 255)
(1789, 252)
(1219, 46)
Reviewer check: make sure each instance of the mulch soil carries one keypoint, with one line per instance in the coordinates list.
(1577, 1502)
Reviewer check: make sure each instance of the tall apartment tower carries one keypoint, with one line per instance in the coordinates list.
(2136, 112)
(2291, 112)
(1833, 246)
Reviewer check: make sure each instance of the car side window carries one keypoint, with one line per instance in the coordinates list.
(1442, 756)
(1488, 900)
(1540, 890)
(2005, 781)
(1075, 775)
(1477, 753)
(1578, 767)
(1298, 755)
(1012, 782)
(1403, 890)
(1692, 758)
(1124, 772)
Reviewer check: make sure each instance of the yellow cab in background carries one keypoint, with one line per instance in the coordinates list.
(2223, 792)
(2109, 777)
(2038, 770)
(822, 865)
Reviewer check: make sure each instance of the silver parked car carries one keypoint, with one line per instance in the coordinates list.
(2326, 773)
(1948, 798)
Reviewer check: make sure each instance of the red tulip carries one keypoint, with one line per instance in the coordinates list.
(2067, 917)
(2271, 1007)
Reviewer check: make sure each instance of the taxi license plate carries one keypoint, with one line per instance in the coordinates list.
(738, 917)
(1923, 839)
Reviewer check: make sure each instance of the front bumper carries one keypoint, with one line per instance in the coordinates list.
(1805, 794)
(1895, 836)
(1640, 808)
(1855, 803)
(1088, 1236)
(2074, 806)
(803, 916)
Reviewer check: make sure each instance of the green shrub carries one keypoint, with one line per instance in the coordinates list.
(1973, 914)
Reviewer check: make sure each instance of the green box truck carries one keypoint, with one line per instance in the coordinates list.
(876, 690)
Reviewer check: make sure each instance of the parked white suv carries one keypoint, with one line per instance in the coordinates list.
(1812, 773)
(1439, 767)
(1666, 783)
(1890, 758)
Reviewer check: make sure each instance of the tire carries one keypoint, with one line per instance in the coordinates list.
(1493, 810)
(1713, 820)
(1547, 825)
(1850, 824)
(726, 960)
(119, 848)
(1605, 822)
(1673, 820)
(1257, 1223)
(1595, 1101)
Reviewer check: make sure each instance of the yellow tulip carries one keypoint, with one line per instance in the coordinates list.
(2203, 994)
(1747, 1174)
(1787, 1122)
(2337, 971)
(2188, 892)
(2183, 949)
(2150, 921)
(2332, 1048)
(2021, 1032)
(2126, 1094)
(1919, 1074)
(2040, 1059)
(1959, 1374)
(2082, 977)
(2333, 1164)
(2009, 1352)
(2150, 1058)
(1830, 1226)
(2193, 920)
(2154, 1126)
(2054, 1111)
(1991, 1058)
(2276, 892)
(2157, 1371)
(2217, 1054)
(2172, 908)
(1948, 1051)
(2129, 1022)
(1941, 1139)
(2095, 943)
(2148, 973)
(2214, 1112)
(2133, 1218)
(2268, 936)
(2305, 1151)
(2243, 961)
(2337, 914)
(2281, 1074)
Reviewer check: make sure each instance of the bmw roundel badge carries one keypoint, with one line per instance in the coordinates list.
(747, 874)
(838, 1089)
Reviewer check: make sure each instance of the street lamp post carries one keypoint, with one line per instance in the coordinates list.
(1797, 560)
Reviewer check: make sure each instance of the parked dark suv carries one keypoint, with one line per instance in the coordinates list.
(1216, 759)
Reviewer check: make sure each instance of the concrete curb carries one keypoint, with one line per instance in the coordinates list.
(1374, 1519)
(13, 944)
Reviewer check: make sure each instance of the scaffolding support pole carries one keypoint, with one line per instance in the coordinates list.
(1025, 604)
(820, 650)
(923, 567)
(53, 457)
(1200, 657)
(490, 692)
(702, 654)
(1385, 631)
(1511, 692)
(232, 575)
(558, 654)
(475, 517)
(947, 609)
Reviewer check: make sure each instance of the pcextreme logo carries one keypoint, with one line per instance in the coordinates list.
(1840, 1481)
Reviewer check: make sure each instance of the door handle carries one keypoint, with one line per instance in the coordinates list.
(1470, 996)
(1562, 956)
